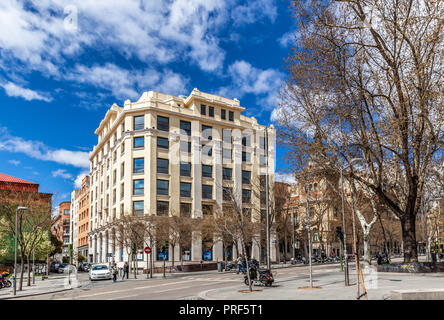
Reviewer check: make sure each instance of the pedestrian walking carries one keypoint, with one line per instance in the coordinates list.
(114, 269)
(125, 270)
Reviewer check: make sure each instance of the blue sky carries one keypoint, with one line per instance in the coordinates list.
(64, 63)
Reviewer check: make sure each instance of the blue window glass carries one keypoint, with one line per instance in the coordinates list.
(162, 143)
(185, 189)
(162, 187)
(138, 187)
(139, 164)
(139, 142)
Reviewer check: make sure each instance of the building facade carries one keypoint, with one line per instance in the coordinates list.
(168, 155)
(63, 226)
(74, 220)
(83, 220)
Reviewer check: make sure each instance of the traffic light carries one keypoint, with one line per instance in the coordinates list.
(339, 233)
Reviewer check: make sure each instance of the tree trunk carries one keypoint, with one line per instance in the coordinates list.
(22, 269)
(28, 262)
(409, 238)
(285, 247)
(367, 252)
(172, 255)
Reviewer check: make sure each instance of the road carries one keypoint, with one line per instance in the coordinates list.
(173, 287)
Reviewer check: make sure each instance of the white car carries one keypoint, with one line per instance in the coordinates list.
(99, 271)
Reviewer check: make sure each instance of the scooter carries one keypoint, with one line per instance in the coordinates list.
(258, 276)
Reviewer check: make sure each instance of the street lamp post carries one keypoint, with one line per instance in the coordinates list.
(15, 250)
(266, 201)
(309, 236)
(345, 235)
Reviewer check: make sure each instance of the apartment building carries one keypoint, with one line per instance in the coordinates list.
(73, 224)
(169, 155)
(63, 226)
(83, 220)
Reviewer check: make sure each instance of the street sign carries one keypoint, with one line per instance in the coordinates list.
(147, 250)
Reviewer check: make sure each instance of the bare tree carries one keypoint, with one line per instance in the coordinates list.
(367, 76)
(31, 223)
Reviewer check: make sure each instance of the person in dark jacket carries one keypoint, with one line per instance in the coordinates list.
(125, 271)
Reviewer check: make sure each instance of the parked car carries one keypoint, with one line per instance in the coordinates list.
(99, 271)
(84, 267)
(62, 268)
(54, 266)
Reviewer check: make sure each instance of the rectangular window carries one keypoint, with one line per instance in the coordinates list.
(262, 143)
(139, 142)
(122, 147)
(223, 114)
(226, 136)
(163, 123)
(139, 165)
(211, 111)
(162, 165)
(246, 140)
(262, 160)
(231, 115)
(226, 154)
(207, 132)
(246, 196)
(185, 127)
(162, 187)
(227, 193)
(185, 210)
(246, 177)
(227, 173)
(162, 143)
(139, 122)
(138, 187)
(203, 110)
(207, 171)
(138, 208)
(185, 147)
(185, 189)
(162, 208)
(207, 192)
(122, 169)
(246, 157)
(207, 150)
(185, 169)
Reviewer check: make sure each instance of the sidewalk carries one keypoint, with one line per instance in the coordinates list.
(56, 283)
(332, 287)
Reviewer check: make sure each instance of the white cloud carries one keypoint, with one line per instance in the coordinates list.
(254, 11)
(285, 177)
(14, 90)
(287, 39)
(247, 79)
(61, 173)
(38, 150)
(125, 84)
(14, 162)
(79, 178)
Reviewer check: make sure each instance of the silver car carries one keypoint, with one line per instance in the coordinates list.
(99, 272)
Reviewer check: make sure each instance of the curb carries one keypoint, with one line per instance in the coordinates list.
(35, 294)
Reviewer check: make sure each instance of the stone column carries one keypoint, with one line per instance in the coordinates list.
(235, 254)
(273, 244)
(256, 247)
(196, 246)
(218, 248)
(95, 249)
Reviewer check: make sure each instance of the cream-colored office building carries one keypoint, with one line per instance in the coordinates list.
(168, 155)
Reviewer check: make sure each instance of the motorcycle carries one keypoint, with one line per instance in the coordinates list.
(4, 281)
(257, 275)
(382, 259)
